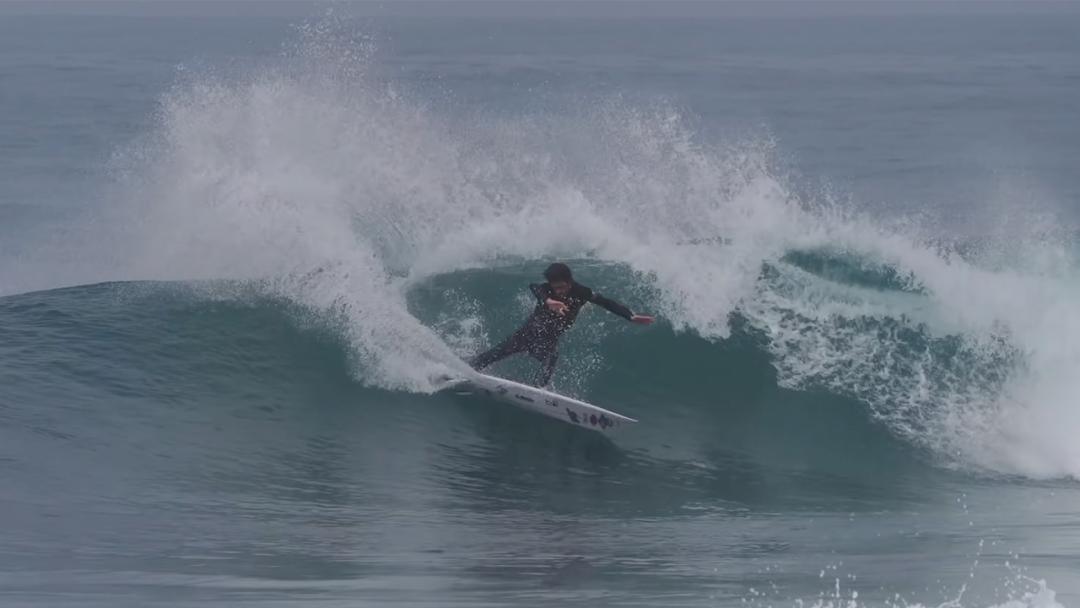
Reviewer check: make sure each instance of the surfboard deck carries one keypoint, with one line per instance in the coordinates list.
(550, 404)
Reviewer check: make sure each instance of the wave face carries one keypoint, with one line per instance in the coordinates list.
(234, 413)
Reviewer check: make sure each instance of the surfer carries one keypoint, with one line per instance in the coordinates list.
(559, 301)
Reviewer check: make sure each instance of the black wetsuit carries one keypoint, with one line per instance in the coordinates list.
(539, 336)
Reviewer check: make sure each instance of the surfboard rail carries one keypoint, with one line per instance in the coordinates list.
(551, 404)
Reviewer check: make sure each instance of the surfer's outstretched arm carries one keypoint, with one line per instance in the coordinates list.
(618, 309)
(612, 306)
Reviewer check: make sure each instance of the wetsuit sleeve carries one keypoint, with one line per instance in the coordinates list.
(613, 306)
(541, 291)
(607, 303)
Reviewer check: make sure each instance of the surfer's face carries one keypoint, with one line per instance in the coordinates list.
(561, 288)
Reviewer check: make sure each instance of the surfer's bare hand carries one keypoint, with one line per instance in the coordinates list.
(556, 306)
(642, 319)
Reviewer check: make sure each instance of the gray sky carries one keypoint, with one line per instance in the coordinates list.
(565, 8)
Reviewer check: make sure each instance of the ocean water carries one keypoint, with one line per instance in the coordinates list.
(236, 249)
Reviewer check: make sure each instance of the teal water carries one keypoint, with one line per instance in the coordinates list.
(234, 252)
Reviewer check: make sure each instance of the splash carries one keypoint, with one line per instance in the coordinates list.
(335, 190)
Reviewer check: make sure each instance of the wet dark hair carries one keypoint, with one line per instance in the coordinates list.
(559, 272)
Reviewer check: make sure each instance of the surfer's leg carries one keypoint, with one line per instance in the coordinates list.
(512, 345)
(548, 356)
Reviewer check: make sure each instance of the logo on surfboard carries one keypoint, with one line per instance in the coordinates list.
(592, 419)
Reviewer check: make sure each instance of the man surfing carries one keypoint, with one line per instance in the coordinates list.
(559, 301)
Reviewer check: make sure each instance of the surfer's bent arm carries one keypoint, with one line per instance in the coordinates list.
(541, 291)
(544, 295)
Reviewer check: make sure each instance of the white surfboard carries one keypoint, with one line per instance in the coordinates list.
(553, 405)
